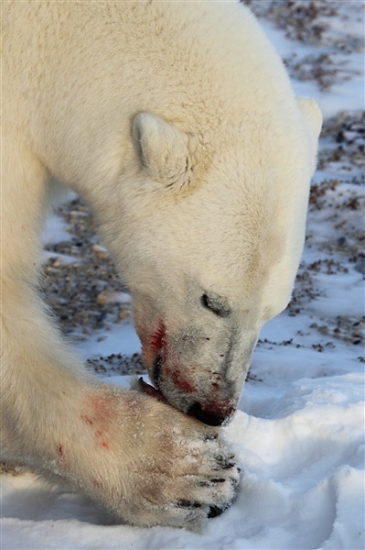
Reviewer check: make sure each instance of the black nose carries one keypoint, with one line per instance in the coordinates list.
(208, 418)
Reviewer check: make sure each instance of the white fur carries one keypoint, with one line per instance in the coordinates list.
(177, 123)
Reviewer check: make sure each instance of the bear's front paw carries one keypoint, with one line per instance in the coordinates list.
(146, 462)
(182, 474)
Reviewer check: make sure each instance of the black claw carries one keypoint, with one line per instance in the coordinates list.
(188, 504)
(228, 465)
(217, 480)
(203, 484)
(225, 465)
(223, 459)
(215, 511)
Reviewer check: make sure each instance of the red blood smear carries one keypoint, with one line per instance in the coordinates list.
(158, 337)
(180, 383)
(150, 390)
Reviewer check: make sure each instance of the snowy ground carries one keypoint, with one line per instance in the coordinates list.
(299, 431)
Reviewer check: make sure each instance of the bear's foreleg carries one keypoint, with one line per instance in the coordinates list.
(142, 460)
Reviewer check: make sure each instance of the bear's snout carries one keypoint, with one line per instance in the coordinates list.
(179, 391)
(193, 372)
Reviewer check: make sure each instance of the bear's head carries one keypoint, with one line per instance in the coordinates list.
(213, 229)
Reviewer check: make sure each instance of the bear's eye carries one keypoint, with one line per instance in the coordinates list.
(216, 304)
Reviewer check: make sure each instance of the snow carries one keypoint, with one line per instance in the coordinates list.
(299, 431)
(114, 341)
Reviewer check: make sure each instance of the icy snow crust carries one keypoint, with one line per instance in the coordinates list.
(299, 431)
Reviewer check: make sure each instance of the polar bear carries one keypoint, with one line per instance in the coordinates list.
(177, 123)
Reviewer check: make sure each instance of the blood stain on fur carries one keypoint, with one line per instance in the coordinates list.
(61, 455)
(181, 383)
(101, 441)
(158, 338)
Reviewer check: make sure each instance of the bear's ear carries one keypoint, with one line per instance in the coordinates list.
(312, 115)
(165, 152)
